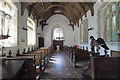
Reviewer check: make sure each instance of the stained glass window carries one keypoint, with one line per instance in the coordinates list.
(111, 22)
(58, 34)
(114, 37)
(119, 4)
(107, 30)
(113, 7)
(107, 11)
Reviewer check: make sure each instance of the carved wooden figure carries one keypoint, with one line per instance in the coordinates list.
(10, 52)
(24, 51)
(28, 50)
(18, 53)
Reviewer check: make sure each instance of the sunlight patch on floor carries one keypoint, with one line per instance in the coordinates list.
(52, 61)
(54, 58)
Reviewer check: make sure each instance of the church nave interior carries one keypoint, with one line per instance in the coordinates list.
(59, 39)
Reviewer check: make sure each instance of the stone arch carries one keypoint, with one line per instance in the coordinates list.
(54, 27)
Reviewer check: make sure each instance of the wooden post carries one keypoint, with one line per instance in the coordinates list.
(40, 61)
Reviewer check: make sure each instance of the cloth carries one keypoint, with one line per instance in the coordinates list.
(93, 44)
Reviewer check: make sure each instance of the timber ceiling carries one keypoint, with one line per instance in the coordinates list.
(42, 11)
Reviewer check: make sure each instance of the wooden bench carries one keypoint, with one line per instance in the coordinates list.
(76, 55)
(115, 53)
(103, 68)
(80, 55)
(40, 57)
(18, 68)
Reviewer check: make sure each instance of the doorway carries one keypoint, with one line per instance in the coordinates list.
(58, 43)
(41, 42)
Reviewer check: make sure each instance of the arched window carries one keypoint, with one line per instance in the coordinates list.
(8, 23)
(31, 38)
(58, 34)
(84, 32)
(1, 6)
(7, 9)
(111, 22)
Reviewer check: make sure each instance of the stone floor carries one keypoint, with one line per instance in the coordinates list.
(61, 68)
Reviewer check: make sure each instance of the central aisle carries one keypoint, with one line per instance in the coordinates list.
(60, 66)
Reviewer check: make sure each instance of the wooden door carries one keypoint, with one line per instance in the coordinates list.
(41, 42)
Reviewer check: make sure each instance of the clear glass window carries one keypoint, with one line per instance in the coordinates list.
(8, 23)
(31, 38)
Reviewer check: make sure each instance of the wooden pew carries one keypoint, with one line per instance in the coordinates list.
(80, 55)
(33, 63)
(40, 57)
(40, 61)
(70, 53)
(18, 68)
(115, 53)
(76, 54)
(103, 68)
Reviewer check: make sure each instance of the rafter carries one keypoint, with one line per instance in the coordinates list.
(30, 8)
(24, 5)
(42, 11)
(77, 16)
(90, 6)
(83, 8)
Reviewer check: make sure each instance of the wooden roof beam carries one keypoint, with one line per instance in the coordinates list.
(90, 6)
(43, 6)
(83, 8)
(79, 14)
(30, 9)
(24, 5)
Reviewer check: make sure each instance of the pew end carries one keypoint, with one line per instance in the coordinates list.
(103, 68)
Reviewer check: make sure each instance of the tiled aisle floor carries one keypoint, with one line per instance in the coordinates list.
(60, 67)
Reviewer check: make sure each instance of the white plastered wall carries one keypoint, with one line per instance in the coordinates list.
(93, 22)
(62, 21)
(21, 22)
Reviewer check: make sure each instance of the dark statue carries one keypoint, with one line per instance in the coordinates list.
(96, 43)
